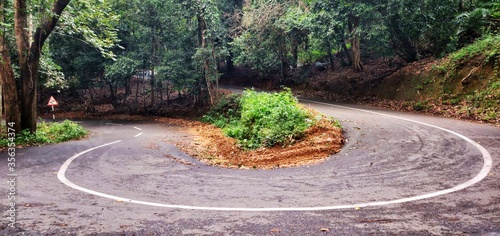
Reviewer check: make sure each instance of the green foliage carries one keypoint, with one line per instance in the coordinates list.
(51, 74)
(454, 101)
(177, 68)
(481, 18)
(420, 106)
(311, 56)
(120, 69)
(495, 85)
(488, 46)
(439, 68)
(95, 22)
(262, 119)
(48, 133)
(78, 60)
(252, 52)
(335, 123)
(226, 111)
(270, 32)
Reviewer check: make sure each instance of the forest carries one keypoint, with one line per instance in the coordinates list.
(145, 54)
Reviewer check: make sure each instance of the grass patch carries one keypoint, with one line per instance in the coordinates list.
(260, 119)
(489, 46)
(226, 111)
(47, 133)
(420, 106)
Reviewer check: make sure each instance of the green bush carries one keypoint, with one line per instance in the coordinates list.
(48, 133)
(263, 119)
(420, 106)
(226, 111)
(311, 56)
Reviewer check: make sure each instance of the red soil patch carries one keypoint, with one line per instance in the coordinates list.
(211, 146)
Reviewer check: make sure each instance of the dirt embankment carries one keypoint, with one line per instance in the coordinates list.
(214, 148)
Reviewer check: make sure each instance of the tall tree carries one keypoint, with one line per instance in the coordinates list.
(263, 42)
(350, 20)
(9, 86)
(29, 48)
(210, 43)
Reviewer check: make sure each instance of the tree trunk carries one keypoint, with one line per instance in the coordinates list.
(215, 72)
(206, 70)
(29, 79)
(9, 86)
(152, 80)
(112, 92)
(461, 6)
(353, 23)
(229, 62)
(330, 56)
(346, 53)
(91, 107)
(356, 55)
(27, 73)
(283, 60)
(160, 89)
(295, 53)
(210, 86)
(127, 88)
(2, 111)
(29, 56)
(168, 94)
(143, 93)
(402, 43)
(137, 90)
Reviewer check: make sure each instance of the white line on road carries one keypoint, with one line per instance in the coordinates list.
(480, 176)
(137, 135)
(137, 128)
(64, 167)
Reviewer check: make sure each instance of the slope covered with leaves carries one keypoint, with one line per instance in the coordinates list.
(465, 84)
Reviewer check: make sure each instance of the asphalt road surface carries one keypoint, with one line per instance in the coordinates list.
(398, 174)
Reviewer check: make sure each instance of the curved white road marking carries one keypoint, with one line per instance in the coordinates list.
(137, 128)
(137, 135)
(480, 176)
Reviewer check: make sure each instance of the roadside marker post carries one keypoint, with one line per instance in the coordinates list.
(52, 102)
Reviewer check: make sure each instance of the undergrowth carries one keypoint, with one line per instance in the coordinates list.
(487, 49)
(482, 103)
(225, 112)
(260, 119)
(47, 133)
(489, 46)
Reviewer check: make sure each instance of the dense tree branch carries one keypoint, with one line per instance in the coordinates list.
(43, 31)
